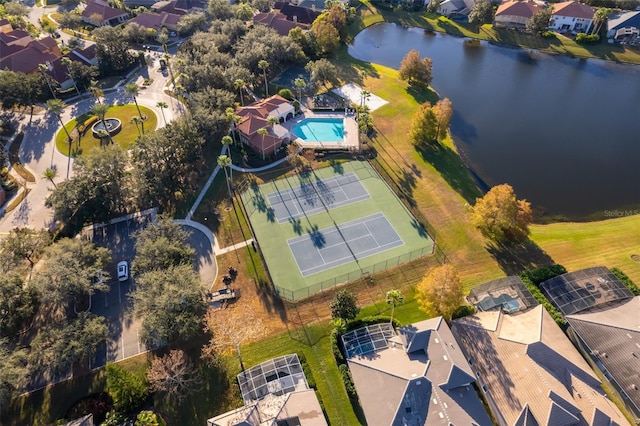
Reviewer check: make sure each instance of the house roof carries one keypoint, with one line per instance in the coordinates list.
(576, 291)
(573, 9)
(169, 7)
(101, 8)
(621, 20)
(417, 377)
(302, 14)
(531, 371)
(155, 21)
(277, 21)
(612, 334)
(525, 9)
(28, 54)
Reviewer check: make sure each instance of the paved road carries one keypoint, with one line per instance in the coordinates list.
(38, 150)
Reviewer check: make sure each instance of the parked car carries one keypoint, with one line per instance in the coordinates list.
(123, 271)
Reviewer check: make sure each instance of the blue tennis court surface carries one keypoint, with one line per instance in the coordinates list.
(344, 243)
(316, 196)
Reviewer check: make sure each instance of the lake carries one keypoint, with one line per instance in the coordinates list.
(565, 133)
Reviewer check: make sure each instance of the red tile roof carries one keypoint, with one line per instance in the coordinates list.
(26, 57)
(518, 8)
(278, 22)
(106, 12)
(156, 21)
(573, 9)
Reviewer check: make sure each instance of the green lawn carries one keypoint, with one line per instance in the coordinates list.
(87, 142)
(272, 236)
(609, 243)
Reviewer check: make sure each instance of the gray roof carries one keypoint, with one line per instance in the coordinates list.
(624, 19)
(420, 377)
(531, 371)
(612, 334)
(584, 289)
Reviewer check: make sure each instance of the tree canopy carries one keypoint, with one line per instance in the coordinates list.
(174, 374)
(18, 303)
(424, 126)
(500, 216)
(344, 305)
(162, 245)
(415, 70)
(539, 22)
(440, 292)
(481, 13)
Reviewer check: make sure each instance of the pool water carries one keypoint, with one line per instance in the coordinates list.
(320, 130)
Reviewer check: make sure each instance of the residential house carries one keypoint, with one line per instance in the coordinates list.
(515, 14)
(603, 316)
(456, 8)
(299, 14)
(275, 392)
(155, 21)
(20, 52)
(98, 13)
(278, 21)
(571, 16)
(508, 294)
(530, 373)
(256, 116)
(624, 28)
(415, 376)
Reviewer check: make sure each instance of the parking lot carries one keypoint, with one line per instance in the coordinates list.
(116, 306)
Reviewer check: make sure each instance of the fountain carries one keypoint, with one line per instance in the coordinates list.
(113, 126)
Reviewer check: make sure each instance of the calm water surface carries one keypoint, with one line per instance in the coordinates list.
(565, 133)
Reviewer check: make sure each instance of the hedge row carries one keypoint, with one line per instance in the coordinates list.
(533, 278)
(624, 279)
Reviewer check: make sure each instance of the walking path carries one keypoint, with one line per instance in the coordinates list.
(235, 246)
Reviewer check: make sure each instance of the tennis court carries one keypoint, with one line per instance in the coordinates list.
(329, 226)
(316, 196)
(344, 243)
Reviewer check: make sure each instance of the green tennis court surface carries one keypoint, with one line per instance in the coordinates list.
(330, 226)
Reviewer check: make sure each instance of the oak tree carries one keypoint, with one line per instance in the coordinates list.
(174, 374)
(415, 70)
(440, 292)
(344, 305)
(424, 126)
(443, 111)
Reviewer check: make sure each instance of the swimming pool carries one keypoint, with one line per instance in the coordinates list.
(320, 130)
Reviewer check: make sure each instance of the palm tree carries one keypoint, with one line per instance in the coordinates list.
(262, 132)
(394, 298)
(263, 65)
(227, 141)
(300, 85)
(132, 89)
(66, 62)
(162, 106)
(95, 90)
(234, 120)
(100, 111)
(136, 120)
(224, 162)
(55, 107)
(273, 121)
(239, 85)
(50, 174)
(43, 68)
(167, 59)
(163, 38)
(601, 15)
(364, 97)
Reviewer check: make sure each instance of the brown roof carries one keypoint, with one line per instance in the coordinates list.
(302, 14)
(518, 8)
(573, 9)
(531, 371)
(278, 22)
(156, 21)
(26, 58)
(106, 12)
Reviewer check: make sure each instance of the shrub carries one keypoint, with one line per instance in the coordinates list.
(538, 275)
(583, 38)
(344, 305)
(463, 311)
(537, 294)
(127, 390)
(548, 34)
(624, 279)
(348, 381)
(286, 93)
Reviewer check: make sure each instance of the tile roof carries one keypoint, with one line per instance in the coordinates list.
(573, 9)
(525, 9)
(27, 54)
(277, 21)
(301, 14)
(612, 334)
(420, 377)
(156, 21)
(101, 8)
(532, 380)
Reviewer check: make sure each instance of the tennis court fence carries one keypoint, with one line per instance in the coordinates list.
(296, 295)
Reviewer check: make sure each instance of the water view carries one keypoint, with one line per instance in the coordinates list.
(565, 133)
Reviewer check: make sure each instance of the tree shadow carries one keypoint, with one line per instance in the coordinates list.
(515, 257)
(422, 93)
(316, 236)
(451, 167)
(336, 166)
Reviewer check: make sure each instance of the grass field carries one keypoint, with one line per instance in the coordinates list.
(272, 237)
(609, 243)
(125, 137)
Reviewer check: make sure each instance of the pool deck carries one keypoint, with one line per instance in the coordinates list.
(351, 134)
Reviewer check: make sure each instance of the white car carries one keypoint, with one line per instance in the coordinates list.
(123, 271)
